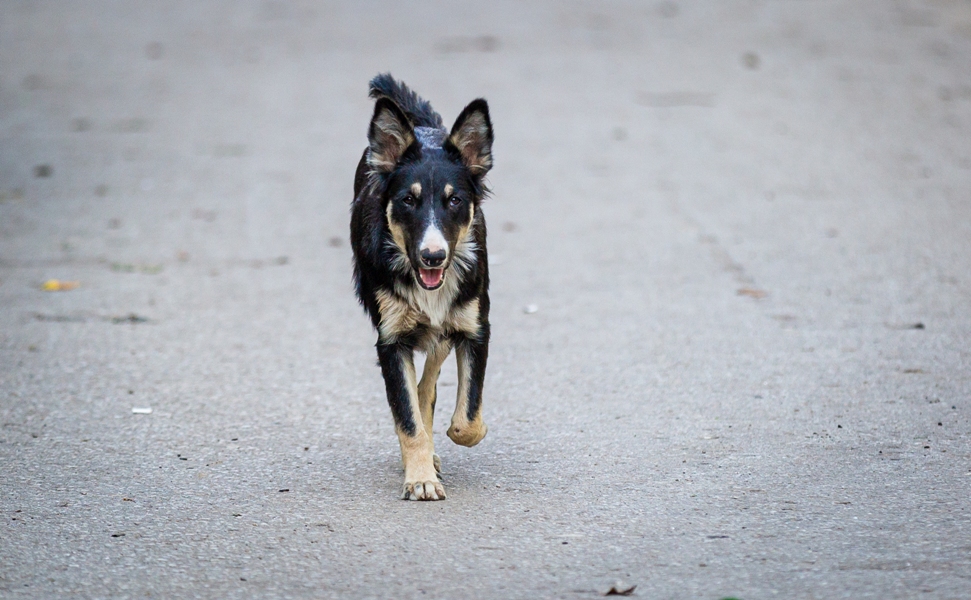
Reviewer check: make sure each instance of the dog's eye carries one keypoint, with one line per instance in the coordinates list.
(408, 200)
(454, 201)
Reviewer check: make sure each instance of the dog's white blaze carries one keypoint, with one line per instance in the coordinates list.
(433, 240)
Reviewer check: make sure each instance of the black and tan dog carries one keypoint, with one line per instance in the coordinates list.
(420, 266)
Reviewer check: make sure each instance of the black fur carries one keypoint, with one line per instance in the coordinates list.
(419, 111)
(410, 150)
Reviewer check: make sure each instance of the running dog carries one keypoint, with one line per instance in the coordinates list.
(420, 265)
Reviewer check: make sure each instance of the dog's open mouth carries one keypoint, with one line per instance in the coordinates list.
(431, 278)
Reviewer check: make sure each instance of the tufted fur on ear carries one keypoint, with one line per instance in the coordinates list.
(471, 138)
(389, 135)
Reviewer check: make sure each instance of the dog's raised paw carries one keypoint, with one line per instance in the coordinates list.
(423, 490)
(467, 434)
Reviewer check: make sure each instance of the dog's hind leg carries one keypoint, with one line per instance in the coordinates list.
(398, 368)
(468, 428)
(427, 394)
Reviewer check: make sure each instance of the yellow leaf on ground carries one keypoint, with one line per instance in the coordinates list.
(56, 285)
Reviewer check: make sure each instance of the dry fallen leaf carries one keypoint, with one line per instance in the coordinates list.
(752, 293)
(56, 285)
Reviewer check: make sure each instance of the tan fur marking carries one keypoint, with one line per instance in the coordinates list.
(464, 255)
(464, 318)
(421, 479)
(416, 189)
(462, 431)
(397, 317)
(397, 233)
(427, 392)
(466, 230)
(448, 190)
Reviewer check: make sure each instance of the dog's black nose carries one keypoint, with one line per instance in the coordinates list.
(433, 259)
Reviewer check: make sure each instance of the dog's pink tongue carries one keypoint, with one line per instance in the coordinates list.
(430, 277)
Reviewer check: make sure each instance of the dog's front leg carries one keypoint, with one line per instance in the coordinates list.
(427, 394)
(398, 368)
(468, 428)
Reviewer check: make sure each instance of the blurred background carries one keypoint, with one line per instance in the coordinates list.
(729, 243)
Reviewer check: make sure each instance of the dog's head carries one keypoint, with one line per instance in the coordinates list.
(431, 186)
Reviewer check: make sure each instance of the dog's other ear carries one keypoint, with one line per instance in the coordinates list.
(389, 135)
(471, 137)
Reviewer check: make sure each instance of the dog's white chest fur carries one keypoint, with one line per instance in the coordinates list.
(411, 306)
(433, 305)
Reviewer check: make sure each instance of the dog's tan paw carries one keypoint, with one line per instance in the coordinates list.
(468, 434)
(423, 490)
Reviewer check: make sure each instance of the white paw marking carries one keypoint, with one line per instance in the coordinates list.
(423, 490)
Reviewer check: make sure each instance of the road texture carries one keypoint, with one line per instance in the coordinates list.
(745, 227)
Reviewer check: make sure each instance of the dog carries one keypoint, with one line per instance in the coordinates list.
(421, 271)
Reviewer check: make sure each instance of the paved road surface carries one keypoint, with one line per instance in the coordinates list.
(746, 227)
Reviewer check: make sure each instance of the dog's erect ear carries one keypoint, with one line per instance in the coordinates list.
(471, 137)
(389, 136)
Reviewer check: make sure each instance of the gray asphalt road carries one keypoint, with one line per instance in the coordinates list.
(746, 227)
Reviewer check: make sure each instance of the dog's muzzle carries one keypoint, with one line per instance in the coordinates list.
(431, 272)
(432, 255)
